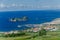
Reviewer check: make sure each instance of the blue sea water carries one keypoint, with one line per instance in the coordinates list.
(34, 17)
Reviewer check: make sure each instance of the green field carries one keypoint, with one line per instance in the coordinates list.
(50, 36)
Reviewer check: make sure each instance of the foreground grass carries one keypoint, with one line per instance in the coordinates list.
(49, 36)
(37, 38)
(14, 38)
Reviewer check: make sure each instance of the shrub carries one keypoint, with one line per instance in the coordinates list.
(14, 35)
(42, 32)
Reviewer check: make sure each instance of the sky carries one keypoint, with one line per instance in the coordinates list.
(6, 5)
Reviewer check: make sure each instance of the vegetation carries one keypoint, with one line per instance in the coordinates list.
(42, 32)
(14, 35)
(50, 35)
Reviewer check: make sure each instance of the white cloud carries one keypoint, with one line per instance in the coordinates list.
(13, 4)
(25, 7)
(2, 5)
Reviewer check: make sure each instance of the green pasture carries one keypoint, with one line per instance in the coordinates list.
(50, 36)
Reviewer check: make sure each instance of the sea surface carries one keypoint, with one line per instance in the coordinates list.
(34, 17)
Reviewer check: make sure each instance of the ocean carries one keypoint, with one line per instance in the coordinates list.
(34, 17)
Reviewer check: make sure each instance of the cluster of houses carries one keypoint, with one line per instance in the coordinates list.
(36, 29)
(10, 32)
(49, 27)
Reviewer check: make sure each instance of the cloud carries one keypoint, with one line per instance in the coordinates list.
(13, 5)
(2, 5)
(27, 6)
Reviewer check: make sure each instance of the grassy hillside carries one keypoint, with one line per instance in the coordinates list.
(49, 36)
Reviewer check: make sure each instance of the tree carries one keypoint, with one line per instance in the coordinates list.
(42, 32)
